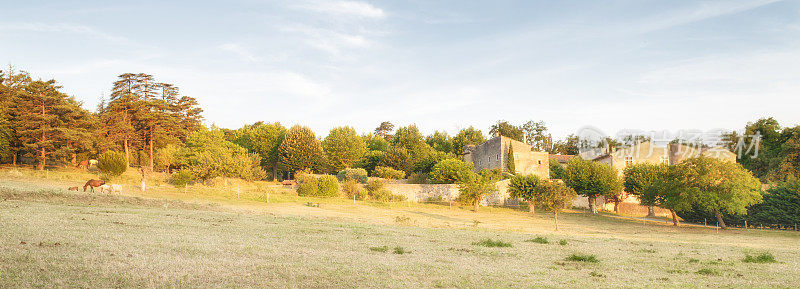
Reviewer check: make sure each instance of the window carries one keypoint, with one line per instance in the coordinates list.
(628, 161)
(540, 162)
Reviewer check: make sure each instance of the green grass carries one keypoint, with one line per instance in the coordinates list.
(764, 257)
(492, 243)
(562, 242)
(577, 257)
(708, 271)
(538, 240)
(210, 236)
(400, 251)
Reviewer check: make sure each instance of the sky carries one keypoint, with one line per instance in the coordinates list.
(634, 65)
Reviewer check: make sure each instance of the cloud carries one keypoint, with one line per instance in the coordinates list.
(241, 51)
(330, 41)
(63, 27)
(345, 8)
(700, 13)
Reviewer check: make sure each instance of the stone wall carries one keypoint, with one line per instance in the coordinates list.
(493, 154)
(445, 192)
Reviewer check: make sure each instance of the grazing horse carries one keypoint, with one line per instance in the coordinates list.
(93, 184)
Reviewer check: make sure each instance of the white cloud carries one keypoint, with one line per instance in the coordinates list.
(241, 51)
(63, 27)
(330, 41)
(345, 8)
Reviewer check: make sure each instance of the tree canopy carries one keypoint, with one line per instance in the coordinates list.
(343, 148)
(591, 179)
(301, 150)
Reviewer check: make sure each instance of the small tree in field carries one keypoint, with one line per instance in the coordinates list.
(720, 186)
(591, 180)
(475, 186)
(524, 187)
(554, 196)
(112, 164)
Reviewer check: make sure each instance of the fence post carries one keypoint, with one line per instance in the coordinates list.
(705, 222)
(745, 224)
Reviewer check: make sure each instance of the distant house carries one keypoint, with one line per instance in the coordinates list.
(561, 159)
(648, 152)
(493, 154)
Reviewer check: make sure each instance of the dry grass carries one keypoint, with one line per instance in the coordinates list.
(207, 237)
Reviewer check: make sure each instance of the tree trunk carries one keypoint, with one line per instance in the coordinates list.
(592, 204)
(14, 159)
(616, 206)
(477, 203)
(151, 148)
(651, 211)
(674, 218)
(555, 218)
(74, 160)
(127, 153)
(719, 219)
(42, 157)
(274, 171)
(532, 207)
(144, 178)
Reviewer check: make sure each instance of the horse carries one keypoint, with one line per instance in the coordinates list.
(93, 184)
(115, 188)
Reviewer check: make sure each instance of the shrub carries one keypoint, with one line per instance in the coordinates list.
(450, 171)
(388, 173)
(351, 190)
(582, 258)
(400, 250)
(112, 164)
(562, 242)
(382, 249)
(418, 178)
(359, 175)
(540, 240)
(377, 191)
(181, 178)
(374, 185)
(765, 257)
(492, 243)
(307, 185)
(328, 186)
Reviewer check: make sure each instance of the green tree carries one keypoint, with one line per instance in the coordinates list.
(537, 136)
(524, 187)
(467, 136)
(385, 130)
(397, 158)
(450, 171)
(112, 164)
(660, 185)
(370, 160)
(591, 180)
(440, 141)
(720, 186)
(409, 138)
(425, 165)
(637, 177)
(506, 129)
(556, 170)
(301, 150)
(475, 186)
(343, 147)
(263, 139)
(207, 154)
(765, 134)
(554, 196)
(375, 142)
(328, 186)
(49, 123)
(510, 166)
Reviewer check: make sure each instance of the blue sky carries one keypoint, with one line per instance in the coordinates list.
(649, 65)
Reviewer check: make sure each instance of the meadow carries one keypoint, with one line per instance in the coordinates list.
(227, 235)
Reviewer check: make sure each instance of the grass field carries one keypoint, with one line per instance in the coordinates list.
(216, 237)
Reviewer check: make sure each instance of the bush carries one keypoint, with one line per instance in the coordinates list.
(492, 244)
(112, 164)
(450, 171)
(181, 178)
(388, 173)
(562, 242)
(539, 240)
(328, 186)
(307, 185)
(765, 257)
(418, 178)
(400, 251)
(351, 190)
(582, 258)
(377, 191)
(359, 175)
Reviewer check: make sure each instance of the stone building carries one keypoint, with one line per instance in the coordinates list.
(648, 152)
(493, 154)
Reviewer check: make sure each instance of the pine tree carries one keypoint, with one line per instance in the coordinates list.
(510, 161)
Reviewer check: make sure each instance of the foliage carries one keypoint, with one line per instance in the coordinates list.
(506, 129)
(778, 149)
(473, 187)
(263, 139)
(562, 242)
(492, 243)
(410, 139)
(523, 187)
(181, 178)
(112, 164)
(208, 155)
(358, 175)
(556, 170)
(328, 186)
(343, 147)
(763, 257)
(375, 142)
(400, 251)
(370, 161)
(426, 163)
(554, 196)
(539, 240)
(382, 249)
(450, 171)
(307, 184)
(376, 190)
(166, 156)
(781, 205)
(385, 130)
(537, 136)
(418, 178)
(591, 179)
(467, 136)
(397, 158)
(388, 173)
(720, 186)
(301, 150)
(352, 190)
(590, 258)
(440, 142)
(510, 163)
(637, 177)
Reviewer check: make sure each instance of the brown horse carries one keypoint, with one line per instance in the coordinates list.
(93, 184)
